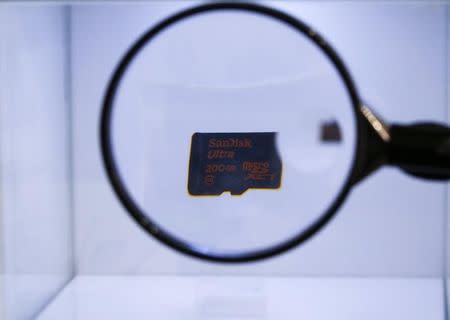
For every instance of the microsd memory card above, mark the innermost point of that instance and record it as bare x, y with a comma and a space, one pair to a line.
233, 162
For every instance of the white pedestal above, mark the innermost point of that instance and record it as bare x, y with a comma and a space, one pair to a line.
236, 298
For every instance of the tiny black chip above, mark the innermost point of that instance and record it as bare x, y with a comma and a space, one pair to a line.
233, 162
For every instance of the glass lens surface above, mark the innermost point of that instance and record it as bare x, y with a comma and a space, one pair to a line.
239, 73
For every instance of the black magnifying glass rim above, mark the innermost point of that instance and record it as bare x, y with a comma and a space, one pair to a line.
151, 226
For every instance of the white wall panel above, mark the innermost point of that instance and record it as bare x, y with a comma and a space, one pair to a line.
391, 224
35, 199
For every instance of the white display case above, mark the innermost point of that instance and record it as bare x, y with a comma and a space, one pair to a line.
69, 250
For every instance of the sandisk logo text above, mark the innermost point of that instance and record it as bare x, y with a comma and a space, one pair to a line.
230, 143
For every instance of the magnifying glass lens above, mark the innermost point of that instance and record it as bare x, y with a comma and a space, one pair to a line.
232, 131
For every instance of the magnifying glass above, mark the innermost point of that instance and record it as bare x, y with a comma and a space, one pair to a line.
233, 132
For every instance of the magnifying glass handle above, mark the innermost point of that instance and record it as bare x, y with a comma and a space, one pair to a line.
421, 149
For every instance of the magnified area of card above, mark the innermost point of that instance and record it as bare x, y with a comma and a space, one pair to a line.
233, 162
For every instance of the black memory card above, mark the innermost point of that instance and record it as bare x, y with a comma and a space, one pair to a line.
233, 162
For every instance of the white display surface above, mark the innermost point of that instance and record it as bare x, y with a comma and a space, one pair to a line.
233, 298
